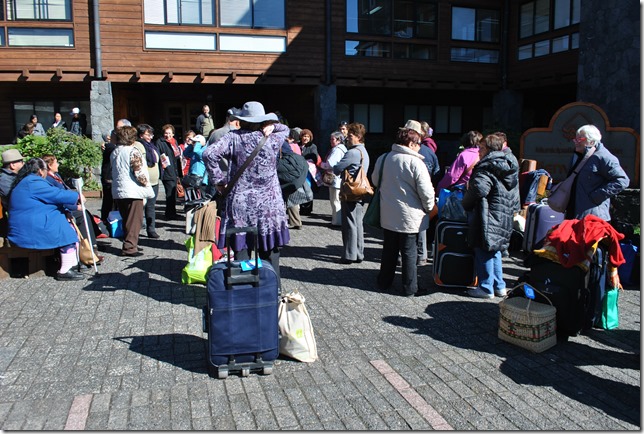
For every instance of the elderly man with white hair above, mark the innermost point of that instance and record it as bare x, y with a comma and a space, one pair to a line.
600, 178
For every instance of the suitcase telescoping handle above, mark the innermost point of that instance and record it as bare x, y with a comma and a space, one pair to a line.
235, 275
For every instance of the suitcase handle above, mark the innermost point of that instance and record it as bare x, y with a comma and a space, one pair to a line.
520, 285
235, 276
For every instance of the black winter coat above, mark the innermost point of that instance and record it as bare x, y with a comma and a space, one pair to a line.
170, 173
291, 171
490, 197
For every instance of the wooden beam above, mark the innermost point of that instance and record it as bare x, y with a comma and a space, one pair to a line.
59, 73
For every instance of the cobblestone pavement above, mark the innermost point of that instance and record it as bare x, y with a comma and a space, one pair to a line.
124, 350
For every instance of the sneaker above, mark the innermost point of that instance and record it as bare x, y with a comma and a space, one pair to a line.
500, 292
479, 293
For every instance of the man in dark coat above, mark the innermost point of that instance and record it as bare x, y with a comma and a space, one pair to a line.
489, 199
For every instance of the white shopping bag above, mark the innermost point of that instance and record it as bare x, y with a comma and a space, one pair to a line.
296, 331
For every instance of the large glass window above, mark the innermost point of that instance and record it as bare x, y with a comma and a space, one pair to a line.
479, 25
542, 16
399, 18
39, 10
370, 115
179, 12
566, 13
33, 37
448, 119
534, 18
367, 49
256, 14
475, 55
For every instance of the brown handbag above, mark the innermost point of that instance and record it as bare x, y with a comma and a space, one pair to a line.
355, 189
85, 253
181, 192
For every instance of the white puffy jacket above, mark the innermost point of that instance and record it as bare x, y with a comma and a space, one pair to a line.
406, 190
124, 183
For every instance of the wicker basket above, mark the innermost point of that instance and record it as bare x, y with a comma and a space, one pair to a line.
528, 324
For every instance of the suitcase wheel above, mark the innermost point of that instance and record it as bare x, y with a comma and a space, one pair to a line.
267, 370
245, 372
222, 373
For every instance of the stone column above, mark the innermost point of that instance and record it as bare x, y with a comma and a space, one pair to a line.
102, 109
609, 60
325, 102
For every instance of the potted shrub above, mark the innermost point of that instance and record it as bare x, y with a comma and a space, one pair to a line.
77, 155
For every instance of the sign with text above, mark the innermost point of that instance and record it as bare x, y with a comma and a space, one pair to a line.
552, 147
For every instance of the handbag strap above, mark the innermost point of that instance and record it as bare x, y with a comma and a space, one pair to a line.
583, 161
382, 166
250, 158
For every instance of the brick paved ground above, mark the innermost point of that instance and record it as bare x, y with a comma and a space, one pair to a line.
124, 350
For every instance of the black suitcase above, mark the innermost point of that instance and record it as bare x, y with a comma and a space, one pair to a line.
565, 289
241, 316
576, 293
453, 258
540, 218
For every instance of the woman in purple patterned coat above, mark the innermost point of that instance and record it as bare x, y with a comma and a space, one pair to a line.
256, 198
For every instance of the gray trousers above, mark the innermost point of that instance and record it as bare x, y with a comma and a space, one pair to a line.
352, 230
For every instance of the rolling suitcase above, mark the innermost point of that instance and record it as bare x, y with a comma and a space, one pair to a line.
565, 288
540, 218
241, 316
453, 258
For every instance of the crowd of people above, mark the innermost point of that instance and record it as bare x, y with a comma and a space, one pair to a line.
265, 174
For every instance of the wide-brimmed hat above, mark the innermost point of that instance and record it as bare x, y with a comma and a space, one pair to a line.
413, 125
234, 111
254, 112
11, 156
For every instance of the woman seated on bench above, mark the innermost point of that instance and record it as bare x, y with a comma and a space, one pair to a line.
55, 179
38, 220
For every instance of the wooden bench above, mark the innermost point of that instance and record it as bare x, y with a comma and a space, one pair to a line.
19, 262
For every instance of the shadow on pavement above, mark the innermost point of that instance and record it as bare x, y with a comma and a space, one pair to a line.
473, 325
184, 351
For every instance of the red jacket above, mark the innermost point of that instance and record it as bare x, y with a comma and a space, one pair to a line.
573, 238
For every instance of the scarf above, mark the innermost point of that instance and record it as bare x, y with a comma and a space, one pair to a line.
150, 153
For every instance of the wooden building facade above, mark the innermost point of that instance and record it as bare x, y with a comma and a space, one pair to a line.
459, 65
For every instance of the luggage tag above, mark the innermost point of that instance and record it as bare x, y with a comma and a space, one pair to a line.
249, 264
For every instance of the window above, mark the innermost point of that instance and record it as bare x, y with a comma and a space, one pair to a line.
367, 49
370, 115
479, 25
397, 19
179, 12
566, 13
255, 14
32, 37
541, 16
414, 19
535, 18
414, 51
421, 113
180, 41
45, 111
448, 120
39, 10
475, 55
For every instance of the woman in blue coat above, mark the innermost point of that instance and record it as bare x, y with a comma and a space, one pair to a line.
37, 218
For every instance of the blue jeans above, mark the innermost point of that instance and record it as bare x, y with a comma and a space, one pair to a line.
489, 270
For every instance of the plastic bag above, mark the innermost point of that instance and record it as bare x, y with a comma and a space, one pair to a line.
198, 266
453, 208
296, 331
